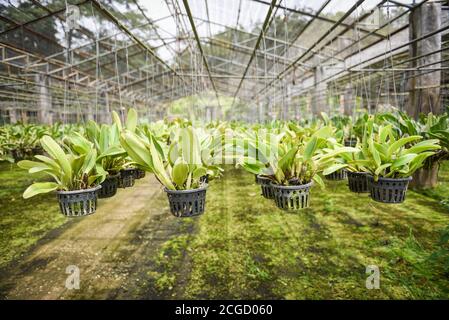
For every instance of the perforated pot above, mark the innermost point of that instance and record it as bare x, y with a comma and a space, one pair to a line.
350, 142
388, 190
337, 175
187, 203
109, 186
357, 181
139, 174
265, 186
291, 197
79, 202
126, 179
17, 154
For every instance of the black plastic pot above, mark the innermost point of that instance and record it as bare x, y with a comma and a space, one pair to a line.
350, 142
126, 179
139, 174
17, 154
337, 175
265, 186
187, 203
388, 190
109, 186
291, 197
78, 203
357, 182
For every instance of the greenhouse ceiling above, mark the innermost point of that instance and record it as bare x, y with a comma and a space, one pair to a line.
121, 53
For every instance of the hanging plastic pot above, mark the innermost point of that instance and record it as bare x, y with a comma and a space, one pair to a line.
291, 197
256, 179
265, 186
139, 174
78, 203
126, 179
109, 186
388, 190
337, 175
17, 154
351, 142
357, 182
187, 203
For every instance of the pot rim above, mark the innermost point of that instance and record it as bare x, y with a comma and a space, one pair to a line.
204, 187
293, 187
358, 172
370, 176
98, 187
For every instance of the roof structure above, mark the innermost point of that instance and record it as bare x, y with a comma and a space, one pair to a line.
92, 56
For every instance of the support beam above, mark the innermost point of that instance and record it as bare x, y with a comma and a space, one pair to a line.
198, 41
265, 26
319, 93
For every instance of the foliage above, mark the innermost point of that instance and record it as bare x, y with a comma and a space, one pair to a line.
385, 155
69, 171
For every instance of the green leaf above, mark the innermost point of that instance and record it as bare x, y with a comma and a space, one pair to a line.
180, 172
131, 120
310, 148
381, 168
89, 162
27, 164
333, 168
400, 143
199, 172
319, 181
55, 151
38, 188
403, 160
117, 121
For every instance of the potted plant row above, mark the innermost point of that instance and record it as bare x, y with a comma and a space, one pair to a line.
295, 165
391, 161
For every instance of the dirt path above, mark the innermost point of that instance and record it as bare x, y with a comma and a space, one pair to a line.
113, 249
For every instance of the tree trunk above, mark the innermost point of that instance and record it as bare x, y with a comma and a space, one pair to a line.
426, 178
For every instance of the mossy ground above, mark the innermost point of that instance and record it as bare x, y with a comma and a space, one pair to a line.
244, 247
23, 222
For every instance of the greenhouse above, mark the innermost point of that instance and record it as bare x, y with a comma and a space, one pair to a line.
211, 149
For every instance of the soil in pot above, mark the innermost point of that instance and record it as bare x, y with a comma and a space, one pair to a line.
109, 186
187, 203
126, 179
292, 197
265, 186
357, 182
337, 175
78, 203
388, 190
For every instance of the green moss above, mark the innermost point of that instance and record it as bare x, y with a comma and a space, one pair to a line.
23, 222
245, 247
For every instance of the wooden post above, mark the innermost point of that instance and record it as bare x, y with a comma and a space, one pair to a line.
424, 90
43, 115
